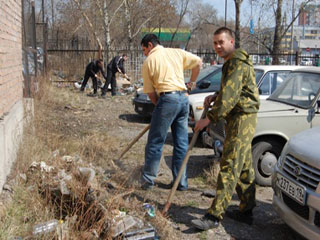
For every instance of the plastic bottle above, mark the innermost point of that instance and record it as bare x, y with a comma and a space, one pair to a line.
45, 227
150, 209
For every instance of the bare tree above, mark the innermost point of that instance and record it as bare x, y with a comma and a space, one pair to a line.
105, 14
134, 24
93, 30
203, 21
237, 22
282, 25
281, 30
182, 7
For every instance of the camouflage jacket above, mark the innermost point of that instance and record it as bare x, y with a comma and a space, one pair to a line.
238, 89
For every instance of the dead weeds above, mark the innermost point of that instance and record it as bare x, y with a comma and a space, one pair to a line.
64, 126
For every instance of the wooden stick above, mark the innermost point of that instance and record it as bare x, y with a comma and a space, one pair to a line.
183, 166
134, 141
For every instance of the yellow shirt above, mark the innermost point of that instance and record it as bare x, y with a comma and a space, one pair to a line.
162, 71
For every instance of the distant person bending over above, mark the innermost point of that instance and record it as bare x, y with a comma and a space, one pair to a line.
163, 81
114, 66
237, 103
91, 71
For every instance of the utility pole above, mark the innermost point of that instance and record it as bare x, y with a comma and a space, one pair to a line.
225, 12
291, 47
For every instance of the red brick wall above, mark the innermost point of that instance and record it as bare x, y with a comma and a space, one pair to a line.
11, 81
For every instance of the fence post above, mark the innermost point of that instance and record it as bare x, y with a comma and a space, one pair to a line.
34, 38
45, 47
297, 58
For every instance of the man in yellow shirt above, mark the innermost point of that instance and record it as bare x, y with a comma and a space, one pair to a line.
163, 77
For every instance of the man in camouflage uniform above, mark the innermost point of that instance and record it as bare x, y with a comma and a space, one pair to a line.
237, 103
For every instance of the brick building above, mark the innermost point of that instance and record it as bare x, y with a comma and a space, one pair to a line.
11, 84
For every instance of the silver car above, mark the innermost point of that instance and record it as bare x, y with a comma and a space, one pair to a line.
296, 183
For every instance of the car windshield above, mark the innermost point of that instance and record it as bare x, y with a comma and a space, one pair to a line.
299, 89
259, 74
203, 73
206, 71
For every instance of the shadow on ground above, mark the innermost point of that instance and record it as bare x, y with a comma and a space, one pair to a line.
266, 225
135, 118
196, 164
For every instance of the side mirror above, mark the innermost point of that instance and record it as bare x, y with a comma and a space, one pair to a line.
311, 114
204, 84
260, 91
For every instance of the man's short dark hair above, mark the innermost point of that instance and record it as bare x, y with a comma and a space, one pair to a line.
124, 55
224, 30
150, 38
100, 60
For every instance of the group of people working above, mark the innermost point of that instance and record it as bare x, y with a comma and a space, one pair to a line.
237, 102
93, 68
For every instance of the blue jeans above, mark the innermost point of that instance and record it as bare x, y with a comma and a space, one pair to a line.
171, 110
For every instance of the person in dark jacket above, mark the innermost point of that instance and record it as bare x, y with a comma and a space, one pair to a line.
114, 66
91, 71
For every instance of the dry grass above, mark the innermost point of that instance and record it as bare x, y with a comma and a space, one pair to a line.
57, 130
212, 173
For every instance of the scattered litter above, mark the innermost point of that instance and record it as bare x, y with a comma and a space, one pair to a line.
121, 225
43, 167
150, 209
55, 153
68, 159
77, 85
46, 227
23, 176
145, 233
141, 231
87, 174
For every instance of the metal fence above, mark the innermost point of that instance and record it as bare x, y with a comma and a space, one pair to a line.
34, 57
69, 56
72, 63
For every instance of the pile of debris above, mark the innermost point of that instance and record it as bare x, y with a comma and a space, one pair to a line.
80, 204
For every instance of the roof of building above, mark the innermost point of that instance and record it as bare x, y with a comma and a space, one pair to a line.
165, 34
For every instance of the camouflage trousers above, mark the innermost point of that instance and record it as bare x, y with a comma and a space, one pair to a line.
236, 170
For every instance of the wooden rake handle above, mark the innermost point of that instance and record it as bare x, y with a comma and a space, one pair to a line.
183, 166
134, 141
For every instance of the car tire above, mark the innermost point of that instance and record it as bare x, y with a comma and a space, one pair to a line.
264, 156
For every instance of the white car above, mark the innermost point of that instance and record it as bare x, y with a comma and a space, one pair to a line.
292, 108
295, 182
268, 78
306, 62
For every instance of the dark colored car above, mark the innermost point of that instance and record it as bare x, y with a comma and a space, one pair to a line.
143, 105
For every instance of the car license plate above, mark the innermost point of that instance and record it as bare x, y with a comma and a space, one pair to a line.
293, 190
140, 109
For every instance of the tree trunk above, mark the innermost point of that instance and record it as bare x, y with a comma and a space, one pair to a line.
127, 17
237, 27
277, 34
107, 38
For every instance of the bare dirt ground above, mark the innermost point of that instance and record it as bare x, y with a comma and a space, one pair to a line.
116, 118
110, 124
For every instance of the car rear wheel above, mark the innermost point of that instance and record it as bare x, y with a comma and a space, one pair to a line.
265, 155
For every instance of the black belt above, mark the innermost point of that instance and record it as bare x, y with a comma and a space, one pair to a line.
173, 92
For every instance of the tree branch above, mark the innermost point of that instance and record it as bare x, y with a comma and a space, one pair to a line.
89, 23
